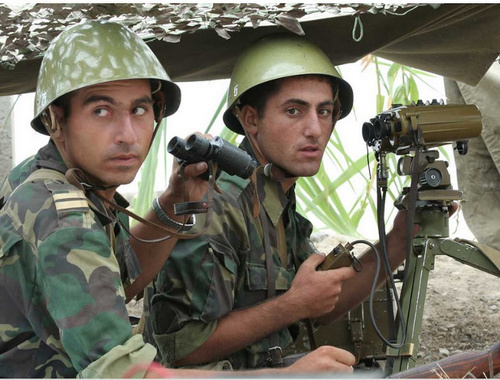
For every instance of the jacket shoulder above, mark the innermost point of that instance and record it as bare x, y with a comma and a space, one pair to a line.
42, 204
232, 185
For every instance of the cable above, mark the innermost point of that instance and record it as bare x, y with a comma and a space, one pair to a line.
372, 293
381, 195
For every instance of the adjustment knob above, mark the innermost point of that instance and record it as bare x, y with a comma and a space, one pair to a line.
431, 177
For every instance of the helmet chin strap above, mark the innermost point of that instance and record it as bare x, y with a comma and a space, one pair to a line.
50, 123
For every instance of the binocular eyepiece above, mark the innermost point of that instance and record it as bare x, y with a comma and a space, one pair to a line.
229, 158
422, 125
377, 130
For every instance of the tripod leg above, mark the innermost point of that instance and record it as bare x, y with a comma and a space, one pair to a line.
413, 295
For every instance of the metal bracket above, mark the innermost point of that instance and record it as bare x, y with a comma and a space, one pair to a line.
406, 350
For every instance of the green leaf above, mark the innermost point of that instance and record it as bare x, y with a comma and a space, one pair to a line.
145, 194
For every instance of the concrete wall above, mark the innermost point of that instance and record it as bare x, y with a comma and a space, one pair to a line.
6, 158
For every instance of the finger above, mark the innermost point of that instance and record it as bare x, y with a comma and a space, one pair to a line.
194, 170
340, 367
340, 360
344, 273
204, 135
314, 260
345, 357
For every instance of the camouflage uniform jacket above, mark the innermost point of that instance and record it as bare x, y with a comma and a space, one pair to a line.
61, 279
207, 277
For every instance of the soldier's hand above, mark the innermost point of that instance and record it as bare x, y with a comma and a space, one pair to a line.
187, 180
324, 359
184, 186
315, 293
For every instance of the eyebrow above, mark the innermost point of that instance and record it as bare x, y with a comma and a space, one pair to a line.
108, 99
99, 98
304, 103
144, 99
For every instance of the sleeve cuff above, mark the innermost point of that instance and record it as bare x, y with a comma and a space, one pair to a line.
119, 359
178, 345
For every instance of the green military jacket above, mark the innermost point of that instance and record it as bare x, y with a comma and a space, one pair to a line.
224, 269
62, 298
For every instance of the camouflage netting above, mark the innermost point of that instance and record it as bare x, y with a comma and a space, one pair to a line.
198, 42
27, 29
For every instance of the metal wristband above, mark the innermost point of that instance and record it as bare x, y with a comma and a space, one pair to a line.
166, 220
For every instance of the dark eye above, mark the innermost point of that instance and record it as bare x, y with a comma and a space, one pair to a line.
101, 112
325, 112
139, 111
292, 111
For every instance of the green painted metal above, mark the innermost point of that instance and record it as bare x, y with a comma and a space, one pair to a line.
432, 240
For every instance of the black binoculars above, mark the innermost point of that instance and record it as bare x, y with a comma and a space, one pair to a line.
229, 158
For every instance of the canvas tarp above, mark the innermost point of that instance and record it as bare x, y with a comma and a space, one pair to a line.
458, 41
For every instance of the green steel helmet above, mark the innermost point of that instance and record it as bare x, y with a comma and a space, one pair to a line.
96, 52
279, 56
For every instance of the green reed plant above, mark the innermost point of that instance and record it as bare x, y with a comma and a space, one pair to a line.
148, 174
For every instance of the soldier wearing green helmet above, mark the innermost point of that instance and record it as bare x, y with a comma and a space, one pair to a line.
232, 297
66, 262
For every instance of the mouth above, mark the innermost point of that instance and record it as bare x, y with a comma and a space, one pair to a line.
125, 159
310, 151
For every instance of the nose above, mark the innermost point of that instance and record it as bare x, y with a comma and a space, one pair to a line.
314, 125
126, 133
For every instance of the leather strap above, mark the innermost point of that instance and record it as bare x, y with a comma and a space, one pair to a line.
307, 321
77, 178
275, 353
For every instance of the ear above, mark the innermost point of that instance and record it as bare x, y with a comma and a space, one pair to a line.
248, 117
56, 119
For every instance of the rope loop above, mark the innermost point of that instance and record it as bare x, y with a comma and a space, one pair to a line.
357, 24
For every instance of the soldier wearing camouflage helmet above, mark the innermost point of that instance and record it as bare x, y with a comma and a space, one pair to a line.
232, 297
66, 262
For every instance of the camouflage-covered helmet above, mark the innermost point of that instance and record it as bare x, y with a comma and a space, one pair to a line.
279, 56
96, 52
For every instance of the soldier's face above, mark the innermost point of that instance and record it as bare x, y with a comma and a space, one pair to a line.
109, 130
296, 125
